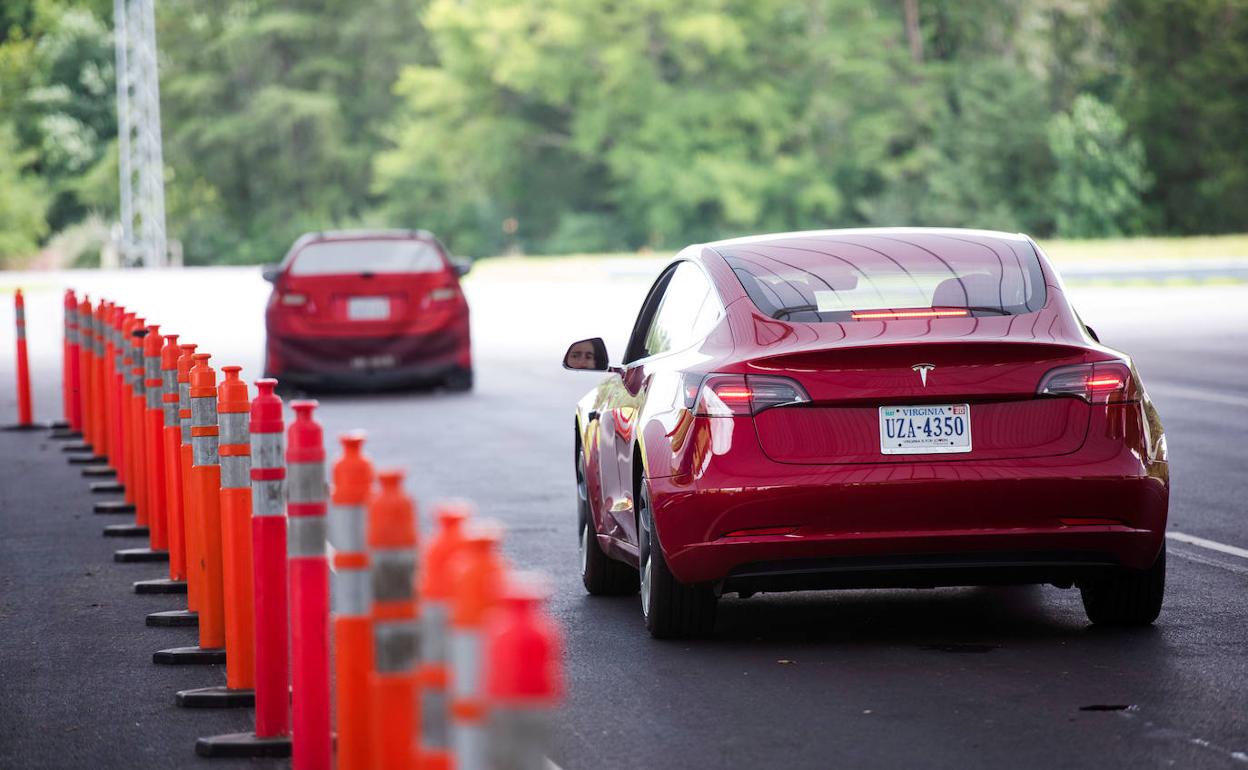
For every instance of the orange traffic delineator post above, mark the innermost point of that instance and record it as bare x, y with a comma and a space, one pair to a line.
308, 567
82, 332
70, 372
392, 542
192, 531
134, 400
478, 584
153, 454
170, 445
234, 450
84, 370
437, 584
171, 493
271, 738
204, 497
25, 419
523, 675
100, 387
352, 621
112, 395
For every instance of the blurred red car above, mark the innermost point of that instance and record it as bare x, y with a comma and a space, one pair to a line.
368, 309
866, 408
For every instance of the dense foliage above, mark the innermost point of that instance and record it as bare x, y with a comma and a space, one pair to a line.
589, 125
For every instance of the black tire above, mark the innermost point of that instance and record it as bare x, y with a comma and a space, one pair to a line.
602, 575
1127, 597
672, 610
458, 381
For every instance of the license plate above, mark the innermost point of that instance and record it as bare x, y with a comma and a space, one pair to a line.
368, 308
929, 429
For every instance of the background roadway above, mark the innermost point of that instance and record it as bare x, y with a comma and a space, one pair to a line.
931, 678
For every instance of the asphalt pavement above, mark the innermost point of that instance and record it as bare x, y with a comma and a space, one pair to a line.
939, 678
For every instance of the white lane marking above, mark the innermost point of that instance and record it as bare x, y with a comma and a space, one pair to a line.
1199, 394
1212, 545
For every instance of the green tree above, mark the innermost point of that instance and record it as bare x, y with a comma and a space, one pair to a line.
1101, 175
24, 201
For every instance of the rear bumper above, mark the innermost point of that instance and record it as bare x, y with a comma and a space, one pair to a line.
966, 523
368, 362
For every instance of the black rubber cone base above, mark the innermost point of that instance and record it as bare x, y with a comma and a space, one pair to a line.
65, 435
189, 656
127, 555
81, 446
106, 487
242, 745
159, 586
59, 425
113, 506
84, 458
173, 618
125, 530
25, 428
216, 698
98, 472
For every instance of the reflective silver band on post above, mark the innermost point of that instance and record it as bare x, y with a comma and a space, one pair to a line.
394, 645
233, 428
305, 536
267, 450
305, 483
268, 498
21, 323
465, 649
235, 472
347, 528
169, 385
353, 594
151, 371
392, 571
435, 726
204, 415
433, 616
184, 405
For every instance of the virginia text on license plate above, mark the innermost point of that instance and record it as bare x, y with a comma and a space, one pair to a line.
928, 429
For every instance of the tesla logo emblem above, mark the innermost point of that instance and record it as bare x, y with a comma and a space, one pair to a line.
923, 369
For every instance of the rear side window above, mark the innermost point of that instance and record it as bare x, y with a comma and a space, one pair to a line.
842, 281
687, 312
366, 256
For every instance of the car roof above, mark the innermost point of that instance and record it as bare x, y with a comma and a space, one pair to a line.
362, 234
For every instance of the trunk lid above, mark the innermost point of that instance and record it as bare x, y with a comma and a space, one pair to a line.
848, 384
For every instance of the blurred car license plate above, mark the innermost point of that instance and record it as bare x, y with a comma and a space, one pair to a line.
928, 429
368, 308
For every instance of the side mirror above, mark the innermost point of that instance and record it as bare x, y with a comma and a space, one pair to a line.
461, 266
587, 355
271, 272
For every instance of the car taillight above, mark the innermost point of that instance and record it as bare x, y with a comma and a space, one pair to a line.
294, 299
443, 294
1101, 383
742, 395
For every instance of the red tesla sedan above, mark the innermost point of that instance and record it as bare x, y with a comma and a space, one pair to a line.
368, 309
866, 408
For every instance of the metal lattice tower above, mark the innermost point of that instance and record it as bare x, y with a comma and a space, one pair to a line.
141, 159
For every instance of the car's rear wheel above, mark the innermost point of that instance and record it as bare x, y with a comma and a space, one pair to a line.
672, 609
1127, 597
602, 575
459, 380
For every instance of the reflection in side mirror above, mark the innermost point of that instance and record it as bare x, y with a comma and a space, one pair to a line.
461, 266
590, 355
271, 272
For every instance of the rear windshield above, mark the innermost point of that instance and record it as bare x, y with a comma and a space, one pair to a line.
850, 281
379, 256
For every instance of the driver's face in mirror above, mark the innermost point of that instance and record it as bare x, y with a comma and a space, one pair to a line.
582, 356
